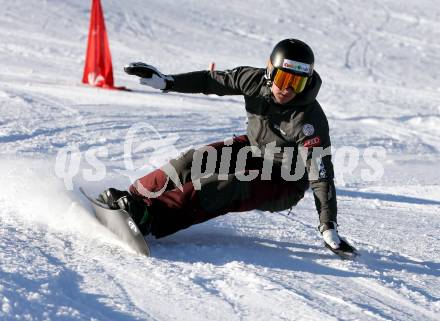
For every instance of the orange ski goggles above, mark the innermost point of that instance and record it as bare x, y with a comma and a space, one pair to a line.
283, 80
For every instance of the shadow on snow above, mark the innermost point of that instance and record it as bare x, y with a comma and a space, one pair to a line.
387, 197
219, 249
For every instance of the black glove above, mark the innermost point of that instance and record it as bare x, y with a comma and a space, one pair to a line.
329, 232
150, 76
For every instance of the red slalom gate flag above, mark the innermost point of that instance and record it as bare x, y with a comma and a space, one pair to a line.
98, 70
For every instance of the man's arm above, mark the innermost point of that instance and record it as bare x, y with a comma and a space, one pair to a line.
314, 136
238, 81
324, 192
206, 82
320, 173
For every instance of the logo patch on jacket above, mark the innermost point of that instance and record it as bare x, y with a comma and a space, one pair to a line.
308, 129
313, 142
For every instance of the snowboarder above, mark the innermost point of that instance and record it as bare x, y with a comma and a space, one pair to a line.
284, 118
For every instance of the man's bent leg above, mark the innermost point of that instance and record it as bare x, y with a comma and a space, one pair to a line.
177, 209
169, 190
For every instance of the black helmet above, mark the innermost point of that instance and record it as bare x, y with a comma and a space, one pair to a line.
293, 50
292, 56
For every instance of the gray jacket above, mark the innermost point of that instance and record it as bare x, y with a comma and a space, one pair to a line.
299, 124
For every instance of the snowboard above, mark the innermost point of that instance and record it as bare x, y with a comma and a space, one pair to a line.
120, 223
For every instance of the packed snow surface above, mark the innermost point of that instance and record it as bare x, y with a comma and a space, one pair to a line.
380, 64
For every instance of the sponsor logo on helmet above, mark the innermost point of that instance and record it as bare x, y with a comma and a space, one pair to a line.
308, 129
313, 142
297, 66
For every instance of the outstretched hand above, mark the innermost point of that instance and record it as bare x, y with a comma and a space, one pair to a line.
335, 243
150, 76
141, 69
330, 234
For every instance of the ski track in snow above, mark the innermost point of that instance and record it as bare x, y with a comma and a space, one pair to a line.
379, 62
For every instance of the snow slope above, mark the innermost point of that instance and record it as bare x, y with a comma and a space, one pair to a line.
379, 62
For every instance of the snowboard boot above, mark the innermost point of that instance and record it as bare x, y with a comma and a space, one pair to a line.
137, 209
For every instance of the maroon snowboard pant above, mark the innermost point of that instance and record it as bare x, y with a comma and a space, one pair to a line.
182, 202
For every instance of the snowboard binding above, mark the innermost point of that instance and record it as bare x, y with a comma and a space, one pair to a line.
138, 210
